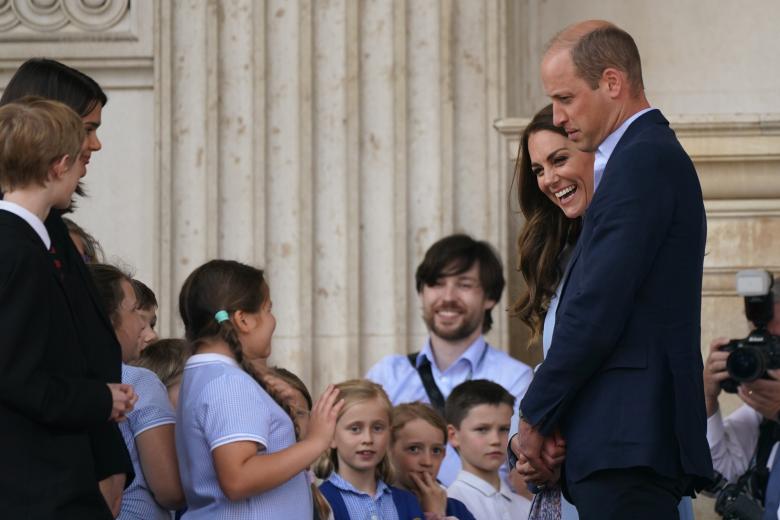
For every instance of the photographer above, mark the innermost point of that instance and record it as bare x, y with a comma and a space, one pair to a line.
747, 440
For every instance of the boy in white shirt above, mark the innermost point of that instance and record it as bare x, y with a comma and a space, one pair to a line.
478, 415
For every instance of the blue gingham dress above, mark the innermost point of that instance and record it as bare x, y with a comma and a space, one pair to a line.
153, 409
219, 404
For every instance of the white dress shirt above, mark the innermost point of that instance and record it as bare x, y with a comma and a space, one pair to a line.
485, 502
733, 441
29, 217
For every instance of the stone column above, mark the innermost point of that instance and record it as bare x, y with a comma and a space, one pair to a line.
331, 143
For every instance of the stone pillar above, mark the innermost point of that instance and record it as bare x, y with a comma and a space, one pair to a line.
332, 143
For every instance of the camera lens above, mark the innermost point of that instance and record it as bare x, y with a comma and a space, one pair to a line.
746, 364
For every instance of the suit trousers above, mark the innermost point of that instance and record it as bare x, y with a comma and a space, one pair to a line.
627, 493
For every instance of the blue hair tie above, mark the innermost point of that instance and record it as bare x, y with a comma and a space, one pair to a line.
221, 316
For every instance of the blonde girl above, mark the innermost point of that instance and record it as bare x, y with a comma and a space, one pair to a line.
357, 467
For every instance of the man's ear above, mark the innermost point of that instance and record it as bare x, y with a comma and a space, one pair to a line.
489, 304
452, 435
60, 166
614, 81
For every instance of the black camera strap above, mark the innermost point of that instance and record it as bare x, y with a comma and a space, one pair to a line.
768, 435
426, 376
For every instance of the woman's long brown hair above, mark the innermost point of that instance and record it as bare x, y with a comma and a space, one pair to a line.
546, 233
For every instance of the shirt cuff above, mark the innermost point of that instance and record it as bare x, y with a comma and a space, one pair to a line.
715, 429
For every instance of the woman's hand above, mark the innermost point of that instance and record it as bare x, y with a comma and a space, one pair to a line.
532, 476
554, 450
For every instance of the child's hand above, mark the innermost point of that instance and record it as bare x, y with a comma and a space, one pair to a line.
124, 398
283, 390
433, 498
322, 419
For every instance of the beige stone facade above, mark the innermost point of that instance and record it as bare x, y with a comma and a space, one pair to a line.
332, 141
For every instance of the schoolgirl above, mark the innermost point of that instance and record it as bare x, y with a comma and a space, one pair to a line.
357, 467
237, 449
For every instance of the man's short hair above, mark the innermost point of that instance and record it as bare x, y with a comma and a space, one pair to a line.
454, 255
473, 393
605, 46
34, 133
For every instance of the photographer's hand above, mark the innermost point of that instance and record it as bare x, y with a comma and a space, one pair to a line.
714, 374
763, 395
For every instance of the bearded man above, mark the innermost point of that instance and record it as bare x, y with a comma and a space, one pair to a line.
459, 282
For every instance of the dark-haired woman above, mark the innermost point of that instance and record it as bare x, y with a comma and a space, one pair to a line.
555, 186
102, 354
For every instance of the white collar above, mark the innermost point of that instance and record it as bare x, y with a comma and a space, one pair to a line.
484, 487
209, 358
29, 217
607, 146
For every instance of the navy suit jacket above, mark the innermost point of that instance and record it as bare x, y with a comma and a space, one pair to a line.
623, 376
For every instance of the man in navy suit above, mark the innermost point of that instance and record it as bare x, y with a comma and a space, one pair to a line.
622, 382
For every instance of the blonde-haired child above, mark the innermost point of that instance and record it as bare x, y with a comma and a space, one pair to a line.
357, 467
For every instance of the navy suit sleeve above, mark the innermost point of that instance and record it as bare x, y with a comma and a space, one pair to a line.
630, 218
26, 384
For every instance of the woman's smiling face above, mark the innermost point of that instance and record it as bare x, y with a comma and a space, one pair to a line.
563, 173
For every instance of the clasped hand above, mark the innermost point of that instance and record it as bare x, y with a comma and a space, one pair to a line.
539, 458
123, 400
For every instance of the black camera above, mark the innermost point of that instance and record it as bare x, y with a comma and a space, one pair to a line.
751, 357
736, 501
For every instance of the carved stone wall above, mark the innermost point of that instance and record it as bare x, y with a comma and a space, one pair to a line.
113, 41
329, 142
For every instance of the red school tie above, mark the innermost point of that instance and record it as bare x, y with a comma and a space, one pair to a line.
55, 260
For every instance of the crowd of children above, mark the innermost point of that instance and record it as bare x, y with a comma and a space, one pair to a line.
211, 430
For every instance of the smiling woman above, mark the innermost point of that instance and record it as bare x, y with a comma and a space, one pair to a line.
563, 173
555, 186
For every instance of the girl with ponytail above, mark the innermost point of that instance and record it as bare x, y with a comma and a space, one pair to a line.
237, 447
